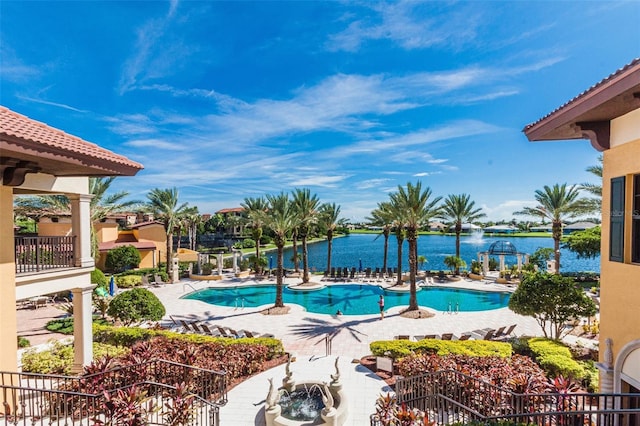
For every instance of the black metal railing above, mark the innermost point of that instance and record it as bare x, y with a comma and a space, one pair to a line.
37, 254
153, 389
453, 397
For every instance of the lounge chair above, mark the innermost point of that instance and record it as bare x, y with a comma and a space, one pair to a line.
465, 336
426, 336
144, 280
509, 331
352, 274
367, 274
158, 279
484, 334
252, 334
205, 328
237, 334
441, 276
224, 333
499, 332
345, 273
447, 336
332, 274
402, 337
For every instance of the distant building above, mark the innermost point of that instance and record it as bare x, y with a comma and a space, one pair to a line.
234, 227
578, 226
466, 227
500, 229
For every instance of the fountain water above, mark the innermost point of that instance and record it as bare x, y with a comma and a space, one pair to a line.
308, 401
476, 238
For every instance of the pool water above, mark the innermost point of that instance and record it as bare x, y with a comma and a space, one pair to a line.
353, 299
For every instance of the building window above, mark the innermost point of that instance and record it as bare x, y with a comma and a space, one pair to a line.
635, 221
616, 242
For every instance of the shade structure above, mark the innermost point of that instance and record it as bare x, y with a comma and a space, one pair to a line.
112, 286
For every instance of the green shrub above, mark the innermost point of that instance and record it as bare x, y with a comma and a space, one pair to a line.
65, 325
591, 377
136, 305
248, 243
128, 281
59, 359
555, 358
128, 336
400, 348
98, 278
207, 268
122, 258
23, 342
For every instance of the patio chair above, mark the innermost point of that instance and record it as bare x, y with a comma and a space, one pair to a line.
252, 334
144, 280
499, 332
332, 275
237, 334
447, 336
158, 279
345, 273
465, 336
484, 334
441, 276
402, 337
367, 274
224, 333
352, 274
426, 336
509, 331
205, 328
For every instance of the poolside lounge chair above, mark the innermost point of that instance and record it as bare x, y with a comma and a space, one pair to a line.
237, 334
484, 334
158, 279
441, 276
505, 333
426, 336
352, 274
367, 274
253, 334
465, 336
225, 333
205, 328
402, 337
332, 274
345, 273
144, 280
499, 332
447, 336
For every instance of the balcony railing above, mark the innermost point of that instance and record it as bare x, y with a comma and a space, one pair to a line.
452, 397
38, 254
150, 390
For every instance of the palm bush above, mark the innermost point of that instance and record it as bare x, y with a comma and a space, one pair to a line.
136, 305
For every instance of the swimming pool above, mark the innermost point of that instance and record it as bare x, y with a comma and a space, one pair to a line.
353, 299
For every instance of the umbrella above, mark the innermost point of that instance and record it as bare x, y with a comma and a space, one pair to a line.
270, 262
112, 286
360, 269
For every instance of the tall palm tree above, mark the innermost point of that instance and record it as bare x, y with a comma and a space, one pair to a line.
164, 205
329, 219
306, 208
558, 203
382, 217
594, 188
458, 209
280, 219
415, 210
255, 209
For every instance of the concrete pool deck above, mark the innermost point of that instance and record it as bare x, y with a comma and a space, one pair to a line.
305, 333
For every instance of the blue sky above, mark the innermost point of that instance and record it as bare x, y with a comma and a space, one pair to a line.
227, 100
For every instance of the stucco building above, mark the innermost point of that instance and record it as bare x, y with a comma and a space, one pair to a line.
608, 114
38, 159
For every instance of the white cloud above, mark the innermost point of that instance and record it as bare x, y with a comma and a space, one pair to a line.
505, 210
55, 104
157, 144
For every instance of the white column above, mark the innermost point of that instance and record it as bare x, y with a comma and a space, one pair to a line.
235, 262
501, 263
219, 259
519, 257
485, 263
81, 229
82, 331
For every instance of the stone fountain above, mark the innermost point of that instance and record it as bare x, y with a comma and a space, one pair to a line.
298, 403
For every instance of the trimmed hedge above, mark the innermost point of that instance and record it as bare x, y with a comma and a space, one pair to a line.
555, 358
59, 360
128, 336
400, 348
128, 281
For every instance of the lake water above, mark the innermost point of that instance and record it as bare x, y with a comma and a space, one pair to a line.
348, 251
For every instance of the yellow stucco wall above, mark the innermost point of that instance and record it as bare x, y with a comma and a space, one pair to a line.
106, 231
620, 289
186, 255
154, 233
53, 229
8, 321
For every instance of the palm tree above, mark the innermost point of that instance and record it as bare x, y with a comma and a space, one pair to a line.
330, 221
280, 219
382, 217
164, 204
558, 203
255, 209
459, 209
306, 206
594, 188
415, 210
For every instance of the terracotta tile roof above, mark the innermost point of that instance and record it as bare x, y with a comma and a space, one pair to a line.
142, 224
231, 210
140, 245
18, 126
633, 64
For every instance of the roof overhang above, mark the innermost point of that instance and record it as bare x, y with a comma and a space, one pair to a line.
29, 146
588, 115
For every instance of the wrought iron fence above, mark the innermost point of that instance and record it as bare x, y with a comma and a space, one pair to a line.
157, 390
453, 397
36, 254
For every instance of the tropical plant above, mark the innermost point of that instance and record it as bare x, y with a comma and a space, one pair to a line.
414, 209
557, 204
280, 220
458, 209
422, 260
306, 208
454, 263
552, 300
585, 244
329, 220
255, 209
135, 305
122, 258
164, 204
382, 217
